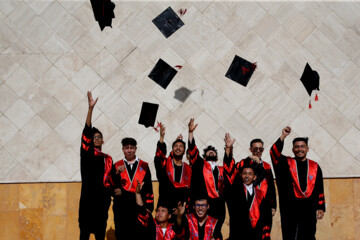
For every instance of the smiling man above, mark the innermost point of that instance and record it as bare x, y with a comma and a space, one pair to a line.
130, 170
300, 187
173, 174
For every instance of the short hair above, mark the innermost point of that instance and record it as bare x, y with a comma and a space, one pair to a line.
209, 148
179, 140
200, 197
95, 130
255, 141
247, 163
128, 141
298, 139
164, 204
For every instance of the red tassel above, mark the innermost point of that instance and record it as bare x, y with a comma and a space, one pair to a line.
178, 66
157, 127
310, 107
316, 98
181, 12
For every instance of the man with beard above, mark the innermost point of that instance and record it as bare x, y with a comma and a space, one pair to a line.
198, 225
207, 178
157, 228
173, 174
301, 191
266, 185
95, 168
130, 170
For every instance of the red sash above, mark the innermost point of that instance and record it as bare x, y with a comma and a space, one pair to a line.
254, 211
126, 183
169, 233
193, 227
311, 178
185, 178
210, 181
107, 180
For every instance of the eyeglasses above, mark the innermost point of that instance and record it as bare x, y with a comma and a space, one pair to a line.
97, 137
201, 205
255, 149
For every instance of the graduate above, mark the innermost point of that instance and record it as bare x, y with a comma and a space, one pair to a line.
129, 170
250, 214
96, 186
198, 225
207, 178
301, 191
173, 174
157, 228
266, 185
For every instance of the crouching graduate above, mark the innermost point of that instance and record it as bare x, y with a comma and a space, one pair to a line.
198, 225
158, 228
248, 207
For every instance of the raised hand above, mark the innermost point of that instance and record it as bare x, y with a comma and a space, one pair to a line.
181, 208
229, 142
191, 125
285, 132
162, 132
255, 159
180, 137
91, 101
139, 186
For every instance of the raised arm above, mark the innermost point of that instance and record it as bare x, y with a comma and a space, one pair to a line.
160, 155
192, 127
277, 147
229, 162
91, 103
193, 151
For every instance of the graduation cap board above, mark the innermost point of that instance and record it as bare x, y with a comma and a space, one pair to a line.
311, 81
240, 70
162, 73
168, 22
148, 114
103, 12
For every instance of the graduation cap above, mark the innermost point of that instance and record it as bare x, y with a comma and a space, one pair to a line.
148, 114
311, 81
182, 94
162, 73
103, 12
168, 22
240, 70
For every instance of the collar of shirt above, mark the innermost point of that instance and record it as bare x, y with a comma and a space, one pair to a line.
249, 188
212, 164
131, 164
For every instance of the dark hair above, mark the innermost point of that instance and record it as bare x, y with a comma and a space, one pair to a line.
179, 140
95, 130
128, 141
255, 141
209, 148
247, 163
200, 197
298, 139
164, 204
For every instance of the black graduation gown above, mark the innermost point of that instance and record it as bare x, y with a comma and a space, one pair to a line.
95, 198
298, 215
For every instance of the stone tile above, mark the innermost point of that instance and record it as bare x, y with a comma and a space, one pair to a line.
119, 79
7, 162
31, 196
7, 7
53, 174
252, 44
30, 221
38, 31
69, 129
87, 47
304, 125
8, 66
37, 97
9, 97
200, 28
207, 128
332, 27
104, 63
317, 43
217, 13
169, 94
153, 45
334, 59
73, 191
108, 128
71, 31
348, 75
215, 77
233, 22
238, 127
69, 64
346, 11
52, 146
55, 15
137, 62
9, 197
115, 107
284, 12
270, 60
335, 91
36, 65
300, 27
53, 113
55, 45
19, 113
120, 47
36, 163
186, 110
315, 12
84, 14
322, 141
350, 107
69, 96
332, 159
52, 80
113, 145
349, 43
36, 129
185, 45
135, 30
201, 61
337, 125
203, 95
72, 224
267, 27
349, 143
54, 227
250, 12
341, 214
86, 79
9, 225
20, 81
218, 45
21, 15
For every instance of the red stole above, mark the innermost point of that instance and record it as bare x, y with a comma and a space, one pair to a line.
126, 183
107, 180
311, 178
210, 224
169, 233
185, 178
210, 181
254, 211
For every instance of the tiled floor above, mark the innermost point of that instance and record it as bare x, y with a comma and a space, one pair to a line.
52, 52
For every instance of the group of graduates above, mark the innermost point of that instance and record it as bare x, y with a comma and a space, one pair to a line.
192, 196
